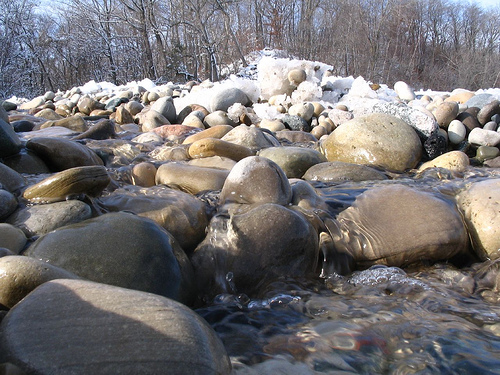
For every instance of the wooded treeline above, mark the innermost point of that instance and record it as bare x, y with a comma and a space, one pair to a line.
438, 44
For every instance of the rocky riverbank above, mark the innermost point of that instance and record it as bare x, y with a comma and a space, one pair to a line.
128, 212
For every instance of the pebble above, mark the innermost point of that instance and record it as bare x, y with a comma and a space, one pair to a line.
481, 137
21, 275
74, 123
36, 220
445, 113
226, 97
480, 100
456, 132
250, 137
8, 203
119, 331
490, 125
217, 118
303, 110
151, 120
144, 174
297, 76
294, 122
33, 103
469, 120
460, 96
339, 116
70, 182
208, 147
28, 162
379, 139
189, 178
488, 111
104, 129
453, 160
12, 238
294, 161
23, 126
338, 172
404, 91
256, 179
60, 154
480, 204
217, 131
165, 106
484, 153
11, 180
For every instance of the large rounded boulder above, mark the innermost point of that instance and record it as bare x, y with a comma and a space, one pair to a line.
377, 139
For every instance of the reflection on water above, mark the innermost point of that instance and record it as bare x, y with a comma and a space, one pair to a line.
436, 319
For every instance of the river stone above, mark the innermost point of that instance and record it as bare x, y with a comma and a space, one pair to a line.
295, 123
48, 114
272, 125
339, 172
213, 162
10, 144
445, 113
297, 76
303, 110
490, 125
40, 219
256, 179
104, 129
194, 121
480, 204
456, 132
9, 106
293, 136
165, 106
377, 139
3, 111
23, 126
33, 103
251, 137
189, 178
71, 182
119, 249
12, 238
208, 147
114, 103
469, 120
8, 203
404, 91
28, 162
480, 100
217, 131
60, 154
144, 174
152, 119
52, 132
453, 160
397, 226
217, 118
481, 137
339, 116
422, 123
74, 123
133, 107
249, 249
492, 163
82, 327
294, 161
460, 96
11, 180
21, 275
488, 111
484, 153
181, 214
225, 98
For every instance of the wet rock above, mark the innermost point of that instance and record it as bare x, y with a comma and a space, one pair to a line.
175, 133
339, 172
10, 144
397, 226
151, 120
480, 204
435, 145
217, 131
118, 249
74, 123
26, 161
87, 104
453, 160
225, 98
488, 111
377, 139
181, 214
208, 147
40, 219
456, 132
23, 126
11, 180
244, 251
12, 238
8, 203
294, 161
104, 129
60, 154
21, 275
484, 153
70, 182
189, 178
296, 136
251, 137
9, 106
165, 106
492, 163
48, 114
256, 180
145, 333
296, 123
481, 137
217, 118
469, 120
144, 174
445, 113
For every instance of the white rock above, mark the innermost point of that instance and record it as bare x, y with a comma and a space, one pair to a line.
456, 132
481, 137
304, 110
404, 91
